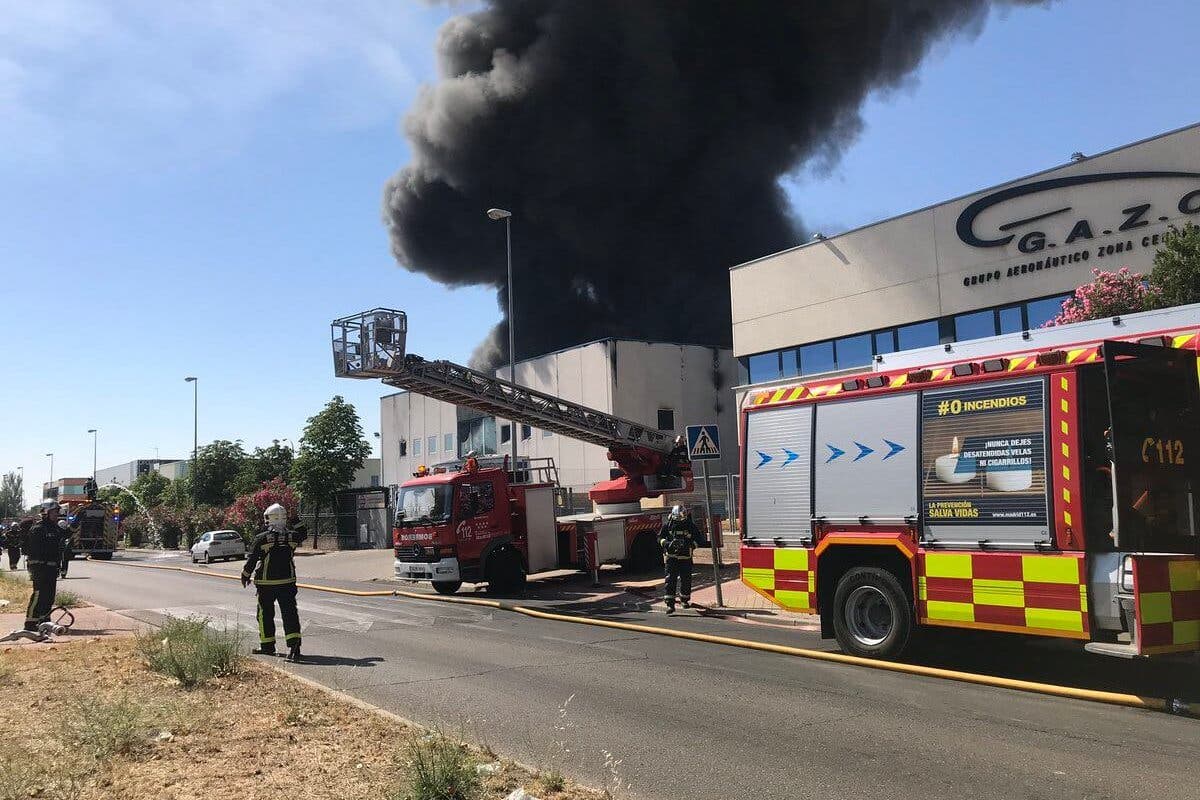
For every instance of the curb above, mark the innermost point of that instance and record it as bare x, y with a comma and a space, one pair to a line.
1173, 706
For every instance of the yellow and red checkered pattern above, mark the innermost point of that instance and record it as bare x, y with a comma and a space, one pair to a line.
784, 575
1034, 593
1167, 603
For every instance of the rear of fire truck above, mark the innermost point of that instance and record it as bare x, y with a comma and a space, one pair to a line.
1049, 493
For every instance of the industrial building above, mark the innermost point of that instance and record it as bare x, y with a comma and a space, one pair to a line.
125, 474
1000, 261
666, 386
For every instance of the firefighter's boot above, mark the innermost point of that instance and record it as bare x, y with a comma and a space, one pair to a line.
294, 654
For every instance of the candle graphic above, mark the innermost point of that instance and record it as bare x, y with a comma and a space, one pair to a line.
952, 468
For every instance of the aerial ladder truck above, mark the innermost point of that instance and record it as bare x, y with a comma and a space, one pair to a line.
497, 525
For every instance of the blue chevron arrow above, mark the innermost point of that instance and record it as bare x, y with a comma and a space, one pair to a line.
834, 452
863, 451
791, 456
896, 448
765, 458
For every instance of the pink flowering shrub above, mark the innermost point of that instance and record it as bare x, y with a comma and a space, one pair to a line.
247, 511
1109, 294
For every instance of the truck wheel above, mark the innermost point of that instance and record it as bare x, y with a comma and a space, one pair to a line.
446, 587
645, 554
872, 616
102, 556
505, 574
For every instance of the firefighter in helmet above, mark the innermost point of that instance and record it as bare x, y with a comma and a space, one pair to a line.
271, 564
678, 538
13, 538
43, 542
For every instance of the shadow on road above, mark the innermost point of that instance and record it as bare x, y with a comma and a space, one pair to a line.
340, 661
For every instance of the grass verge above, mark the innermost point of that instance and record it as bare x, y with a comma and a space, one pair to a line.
191, 651
92, 721
16, 588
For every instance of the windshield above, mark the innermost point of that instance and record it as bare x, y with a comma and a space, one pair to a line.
424, 505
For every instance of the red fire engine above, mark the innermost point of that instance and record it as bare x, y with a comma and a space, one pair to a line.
1050, 492
497, 524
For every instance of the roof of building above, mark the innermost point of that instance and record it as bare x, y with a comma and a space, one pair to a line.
960, 197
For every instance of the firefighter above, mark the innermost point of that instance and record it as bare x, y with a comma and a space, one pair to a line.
271, 564
43, 542
678, 538
12, 541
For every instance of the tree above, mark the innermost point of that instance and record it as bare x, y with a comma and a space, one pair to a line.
213, 472
150, 488
1109, 294
1176, 272
179, 494
332, 449
263, 466
12, 495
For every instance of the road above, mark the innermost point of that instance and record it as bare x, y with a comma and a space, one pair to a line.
692, 720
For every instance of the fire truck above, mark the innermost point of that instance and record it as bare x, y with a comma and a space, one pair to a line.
497, 524
1048, 491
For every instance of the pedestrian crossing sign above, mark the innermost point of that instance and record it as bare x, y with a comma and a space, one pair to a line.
704, 442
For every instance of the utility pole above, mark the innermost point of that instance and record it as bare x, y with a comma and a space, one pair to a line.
95, 434
195, 382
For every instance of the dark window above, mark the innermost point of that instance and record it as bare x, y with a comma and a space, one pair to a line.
666, 419
817, 358
403, 447
526, 432
477, 498
1042, 311
922, 334
1011, 320
505, 433
765, 367
976, 325
885, 342
854, 351
791, 363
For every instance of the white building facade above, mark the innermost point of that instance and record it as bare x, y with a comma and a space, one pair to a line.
662, 385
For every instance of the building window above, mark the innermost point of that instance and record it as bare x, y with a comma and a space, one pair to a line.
853, 351
403, 447
922, 334
666, 419
505, 433
374, 481
448, 442
976, 325
1011, 319
1042, 311
431, 445
416, 447
817, 358
791, 363
526, 432
547, 434
765, 367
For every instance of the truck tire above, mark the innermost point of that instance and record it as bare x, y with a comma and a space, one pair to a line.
645, 554
102, 556
505, 573
872, 616
446, 587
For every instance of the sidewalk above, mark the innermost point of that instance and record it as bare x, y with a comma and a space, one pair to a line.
91, 622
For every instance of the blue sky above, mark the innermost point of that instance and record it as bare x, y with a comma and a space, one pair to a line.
194, 189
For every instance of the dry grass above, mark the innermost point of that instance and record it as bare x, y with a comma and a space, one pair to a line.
89, 720
16, 588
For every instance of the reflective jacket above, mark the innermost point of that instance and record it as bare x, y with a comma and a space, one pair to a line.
43, 543
271, 558
678, 538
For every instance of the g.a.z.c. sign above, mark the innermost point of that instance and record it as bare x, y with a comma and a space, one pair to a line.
1030, 239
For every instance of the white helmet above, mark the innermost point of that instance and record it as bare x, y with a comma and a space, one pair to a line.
276, 517
676, 512
48, 504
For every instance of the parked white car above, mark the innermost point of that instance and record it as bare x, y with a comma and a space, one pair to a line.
214, 545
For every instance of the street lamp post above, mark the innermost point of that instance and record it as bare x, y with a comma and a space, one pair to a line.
195, 382
95, 434
51, 457
501, 214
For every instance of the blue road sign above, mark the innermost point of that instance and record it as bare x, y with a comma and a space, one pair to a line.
704, 442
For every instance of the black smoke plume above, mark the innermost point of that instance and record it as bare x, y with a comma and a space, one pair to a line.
639, 145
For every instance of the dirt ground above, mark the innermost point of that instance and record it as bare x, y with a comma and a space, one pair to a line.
88, 720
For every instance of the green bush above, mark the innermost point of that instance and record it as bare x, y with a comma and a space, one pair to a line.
102, 729
440, 769
191, 651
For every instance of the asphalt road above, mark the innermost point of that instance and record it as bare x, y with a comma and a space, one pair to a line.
690, 720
